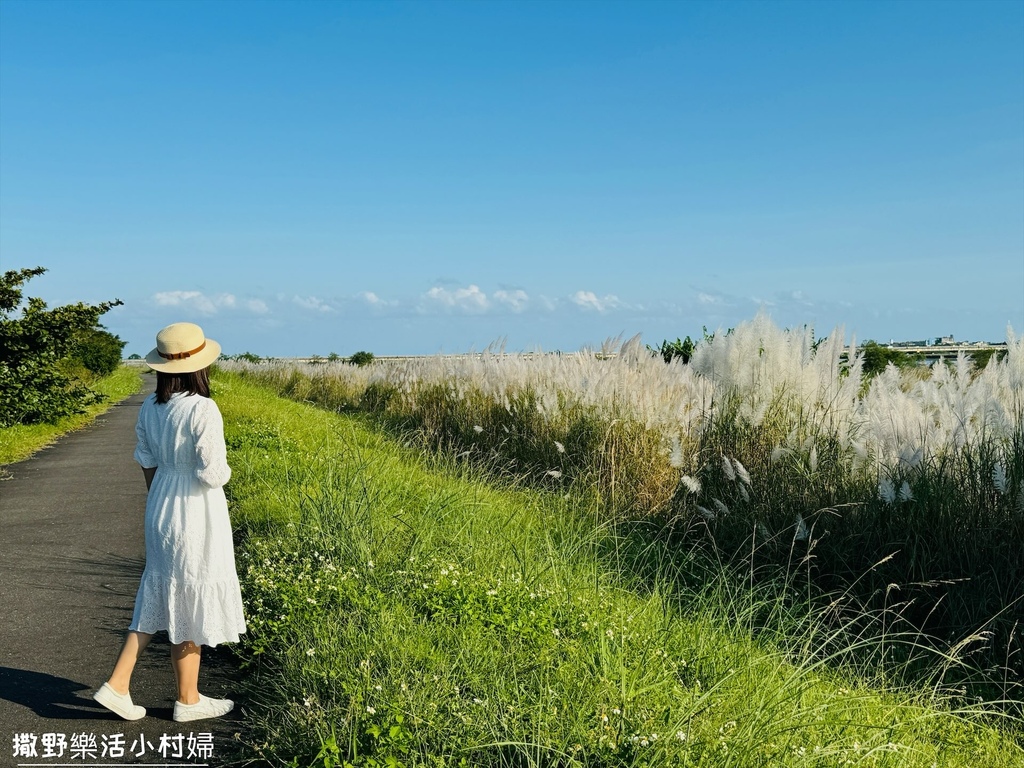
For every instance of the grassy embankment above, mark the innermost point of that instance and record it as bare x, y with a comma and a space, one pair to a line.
21, 441
904, 490
403, 611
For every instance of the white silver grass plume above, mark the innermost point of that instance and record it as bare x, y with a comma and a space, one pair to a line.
905, 493
692, 484
675, 456
999, 477
727, 470
801, 533
886, 491
898, 422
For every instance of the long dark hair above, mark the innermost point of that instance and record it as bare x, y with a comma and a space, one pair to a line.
197, 383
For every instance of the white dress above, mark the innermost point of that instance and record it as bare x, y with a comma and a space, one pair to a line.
190, 586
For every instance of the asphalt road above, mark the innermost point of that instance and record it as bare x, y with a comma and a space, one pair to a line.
72, 550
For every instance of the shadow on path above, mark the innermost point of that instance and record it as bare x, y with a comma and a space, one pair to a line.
48, 696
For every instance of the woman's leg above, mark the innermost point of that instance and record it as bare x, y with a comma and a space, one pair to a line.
185, 660
191, 705
121, 678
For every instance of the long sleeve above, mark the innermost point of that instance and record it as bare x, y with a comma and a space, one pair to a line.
211, 454
143, 455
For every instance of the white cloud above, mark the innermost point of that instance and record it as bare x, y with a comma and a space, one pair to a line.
515, 300
192, 299
589, 300
313, 304
197, 301
707, 298
470, 299
374, 300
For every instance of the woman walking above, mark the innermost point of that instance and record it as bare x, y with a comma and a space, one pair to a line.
189, 587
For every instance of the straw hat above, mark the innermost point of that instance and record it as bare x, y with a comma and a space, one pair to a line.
182, 348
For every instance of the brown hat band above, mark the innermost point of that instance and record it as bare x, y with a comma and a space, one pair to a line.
180, 355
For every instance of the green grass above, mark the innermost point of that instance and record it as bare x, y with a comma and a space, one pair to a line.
404, 611
947, 532
21, 441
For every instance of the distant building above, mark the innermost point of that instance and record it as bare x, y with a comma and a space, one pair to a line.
945, 340
920, 343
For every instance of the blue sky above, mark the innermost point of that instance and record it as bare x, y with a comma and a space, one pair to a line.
304, 178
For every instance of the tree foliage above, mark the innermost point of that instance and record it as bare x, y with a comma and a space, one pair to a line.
671, 350
877, 357
97, 350
361, 358
40, 348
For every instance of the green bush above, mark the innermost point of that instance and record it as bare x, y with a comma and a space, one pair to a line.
877, 357
98, 350
245, 357
37, 353
361, 358
670, 350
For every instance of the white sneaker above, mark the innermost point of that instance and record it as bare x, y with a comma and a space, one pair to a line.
119, 703
202, 709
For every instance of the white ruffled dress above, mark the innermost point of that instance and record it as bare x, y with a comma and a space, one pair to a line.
190, 585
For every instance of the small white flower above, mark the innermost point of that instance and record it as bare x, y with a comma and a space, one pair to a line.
477, 428
310, 652
371, 711
554, 473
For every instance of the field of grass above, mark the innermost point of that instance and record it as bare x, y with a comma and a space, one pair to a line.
406, 611
20, 441
902, 489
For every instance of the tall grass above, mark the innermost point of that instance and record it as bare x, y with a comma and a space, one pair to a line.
768, 441
404, 612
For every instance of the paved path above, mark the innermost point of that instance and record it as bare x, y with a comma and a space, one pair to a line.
72, 550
